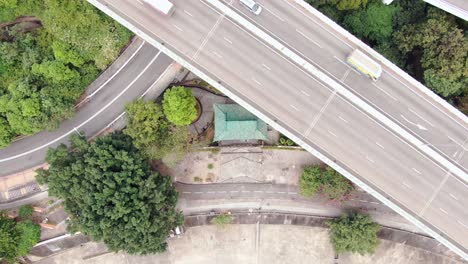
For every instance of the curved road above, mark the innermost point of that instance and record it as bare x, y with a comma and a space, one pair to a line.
132, 80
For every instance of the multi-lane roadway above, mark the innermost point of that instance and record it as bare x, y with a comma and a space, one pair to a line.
287, 94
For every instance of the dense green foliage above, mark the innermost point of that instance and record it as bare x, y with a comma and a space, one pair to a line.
153, 133
9, 238
375, 22
25, 211
428, 43
111, 193
17, 239
43, 71
355, 233
180, 106
30, 233
316, 179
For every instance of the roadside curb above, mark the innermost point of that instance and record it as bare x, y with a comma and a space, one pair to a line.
391, 234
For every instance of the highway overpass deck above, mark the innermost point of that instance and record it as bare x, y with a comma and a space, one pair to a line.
285, 94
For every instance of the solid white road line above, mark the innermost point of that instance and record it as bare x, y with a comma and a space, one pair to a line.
274, 14
342, 119
406, 185
87, 120
453, 196
266, 67
418, 115
178, 28
113, 75
331, 133
385, 92
380, 145
295, 108
308, 38
257, 82
304, 93
415, 170
188, 13
228, 40
443, 211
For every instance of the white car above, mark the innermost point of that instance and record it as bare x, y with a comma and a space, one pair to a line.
253, 6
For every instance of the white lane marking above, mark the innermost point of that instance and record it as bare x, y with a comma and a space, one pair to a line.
345, 75
266, 67
415, 170
217, 54
295, 108
443, 211
331, 133
90, 118
303, 92
460, 222
139, 1
406, 185
453, 196
455, 154
186, 192
113, 75
258, 191
234, 191
369, 159
273, 13
228, 40
305, 36
342, 119
322, 110
458, 143
293, 193
178, 28
188, 13
210, 192
414, 124
281, 192
208, 36
380, 145
385, 92
320, 24
255, 80
425, 99
374, 202
346, 64
418, 115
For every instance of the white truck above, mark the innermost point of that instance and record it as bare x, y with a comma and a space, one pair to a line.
163, 6
365, 64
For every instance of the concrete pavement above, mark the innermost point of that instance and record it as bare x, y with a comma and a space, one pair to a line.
132, 80
331, 127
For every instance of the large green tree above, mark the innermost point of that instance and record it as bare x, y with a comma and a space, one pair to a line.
355, 233
374, 22
153, 133
44, 71
111, 193
180, 106
316, 179
444, 49
17, 238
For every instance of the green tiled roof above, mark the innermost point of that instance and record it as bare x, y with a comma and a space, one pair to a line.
232, 122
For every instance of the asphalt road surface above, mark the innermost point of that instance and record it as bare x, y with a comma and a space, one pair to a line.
105, 106
315, 112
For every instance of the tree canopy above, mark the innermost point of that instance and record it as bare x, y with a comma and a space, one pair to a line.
180, 106
111, 193
152, 133
316, 179
444, 49
17, 238
355, 233
43, 71
375, 22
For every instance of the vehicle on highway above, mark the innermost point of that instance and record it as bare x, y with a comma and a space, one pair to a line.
365, 64
253, 6
163, 6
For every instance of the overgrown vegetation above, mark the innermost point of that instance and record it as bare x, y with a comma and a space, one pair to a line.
222, 220
153, 133
428, 43
17, 238
25, 211
45, 69
111, 194
316, 179
355, 233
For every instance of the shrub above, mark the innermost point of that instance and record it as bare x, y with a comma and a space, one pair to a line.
355, 233
222, 220
315, 179
180, 106
25, 211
